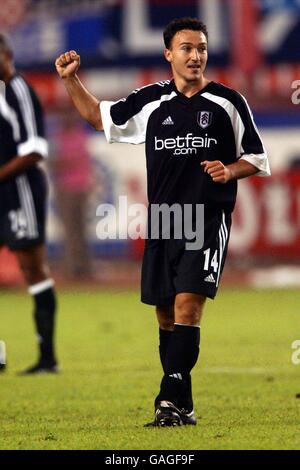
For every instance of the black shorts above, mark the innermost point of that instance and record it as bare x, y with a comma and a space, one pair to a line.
23, 210
169, 269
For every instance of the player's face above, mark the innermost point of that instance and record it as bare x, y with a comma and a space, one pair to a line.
188, 55
3, 64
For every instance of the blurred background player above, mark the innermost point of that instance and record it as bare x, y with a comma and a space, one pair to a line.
181, 114
23, 194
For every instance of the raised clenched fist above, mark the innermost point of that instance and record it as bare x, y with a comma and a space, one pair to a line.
67, 64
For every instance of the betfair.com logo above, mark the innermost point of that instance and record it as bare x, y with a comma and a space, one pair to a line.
187, 145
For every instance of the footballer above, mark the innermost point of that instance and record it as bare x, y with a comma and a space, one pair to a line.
23, 193
200, 138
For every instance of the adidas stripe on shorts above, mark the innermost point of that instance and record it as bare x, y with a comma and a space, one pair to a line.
23, 210
169, 269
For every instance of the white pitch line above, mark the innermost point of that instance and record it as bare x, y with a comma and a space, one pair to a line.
2, 353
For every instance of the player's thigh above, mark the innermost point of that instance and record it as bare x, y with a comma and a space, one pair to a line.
24, 221
157, 287
199, 271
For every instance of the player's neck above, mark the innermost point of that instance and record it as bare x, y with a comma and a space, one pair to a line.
190, 88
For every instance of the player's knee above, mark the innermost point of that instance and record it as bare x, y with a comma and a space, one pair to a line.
189, 310
165, 317
166, 323
33, 274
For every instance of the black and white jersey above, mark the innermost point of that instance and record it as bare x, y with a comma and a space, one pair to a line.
180, 132
21, 122
22, 133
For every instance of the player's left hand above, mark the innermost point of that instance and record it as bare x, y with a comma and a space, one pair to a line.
218, 172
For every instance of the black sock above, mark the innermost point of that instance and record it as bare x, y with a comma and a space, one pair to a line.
164, 338
44, 316
182, 354
186, 400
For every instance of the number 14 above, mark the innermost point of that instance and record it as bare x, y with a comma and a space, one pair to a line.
214, 261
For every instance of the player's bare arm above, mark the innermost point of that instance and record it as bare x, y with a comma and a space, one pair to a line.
18, 165
67, 66
222, 174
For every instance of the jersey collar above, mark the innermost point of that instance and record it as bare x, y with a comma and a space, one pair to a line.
190, 100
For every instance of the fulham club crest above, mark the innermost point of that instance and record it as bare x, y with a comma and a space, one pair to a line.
204, 119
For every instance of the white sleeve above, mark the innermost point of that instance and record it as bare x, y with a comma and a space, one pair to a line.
260, 161
30, 120
34, 144
126, 120
133, 131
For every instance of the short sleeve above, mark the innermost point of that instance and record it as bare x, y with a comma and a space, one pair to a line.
123, 121
251, 148
126, 120
30, 119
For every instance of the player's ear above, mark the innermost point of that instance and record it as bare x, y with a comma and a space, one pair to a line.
168, 55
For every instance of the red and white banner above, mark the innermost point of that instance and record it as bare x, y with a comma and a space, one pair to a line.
267, 217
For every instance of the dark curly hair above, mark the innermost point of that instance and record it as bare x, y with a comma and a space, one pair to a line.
178, 24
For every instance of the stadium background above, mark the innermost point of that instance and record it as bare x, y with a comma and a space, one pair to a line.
253, 47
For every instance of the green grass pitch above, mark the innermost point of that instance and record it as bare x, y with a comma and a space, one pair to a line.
245, 384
